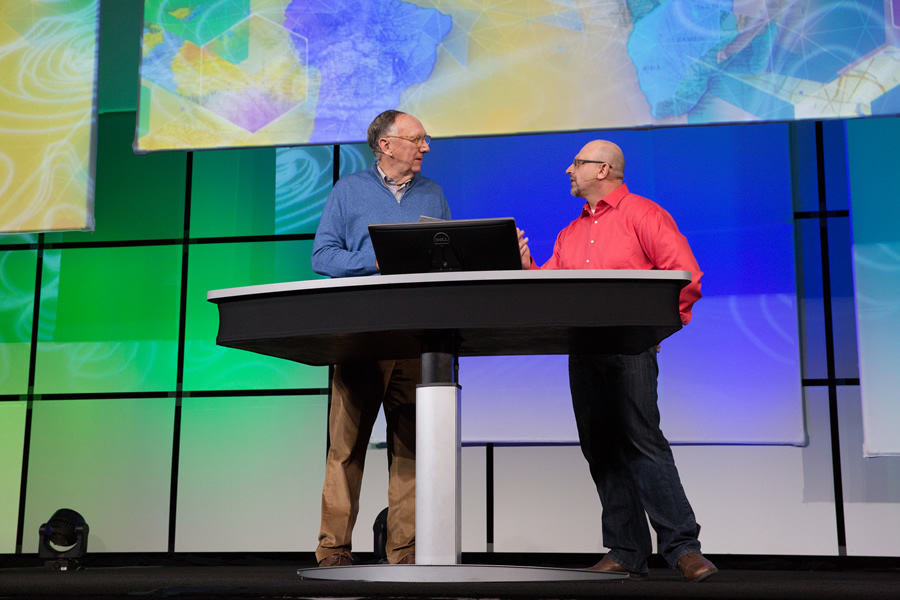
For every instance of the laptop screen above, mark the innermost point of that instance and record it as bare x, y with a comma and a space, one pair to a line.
430, 246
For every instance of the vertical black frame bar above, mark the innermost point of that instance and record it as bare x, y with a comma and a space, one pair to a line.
829, 346
489, 495
179, 370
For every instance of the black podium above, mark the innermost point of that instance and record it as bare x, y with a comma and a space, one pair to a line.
439, 317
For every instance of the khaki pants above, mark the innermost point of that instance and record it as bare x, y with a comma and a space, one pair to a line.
357, 392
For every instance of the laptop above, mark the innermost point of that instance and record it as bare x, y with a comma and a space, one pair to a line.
434, 245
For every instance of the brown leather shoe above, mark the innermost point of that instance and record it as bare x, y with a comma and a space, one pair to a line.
341, 558
695, 567
409, 559
608, 565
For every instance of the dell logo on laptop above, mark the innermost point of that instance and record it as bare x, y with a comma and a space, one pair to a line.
441, 239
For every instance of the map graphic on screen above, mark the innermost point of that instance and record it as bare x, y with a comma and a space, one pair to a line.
240, 73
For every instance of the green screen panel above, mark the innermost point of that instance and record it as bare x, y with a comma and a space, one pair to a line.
355, 157
219, 266
137, 197
259, 191
109, 460
12, 442
120, 58
17, 275
254, 465
233, 193
7, 239
109, 320
303, 180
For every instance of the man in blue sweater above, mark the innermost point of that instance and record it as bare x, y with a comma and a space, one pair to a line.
393, 190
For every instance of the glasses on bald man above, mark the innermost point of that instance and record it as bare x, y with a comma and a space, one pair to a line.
418, 140
578, 162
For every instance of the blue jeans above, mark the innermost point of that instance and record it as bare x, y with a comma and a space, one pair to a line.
614, 398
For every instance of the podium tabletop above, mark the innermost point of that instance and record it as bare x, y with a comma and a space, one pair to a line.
326, 321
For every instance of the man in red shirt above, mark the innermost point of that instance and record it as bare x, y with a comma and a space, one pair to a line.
614, 396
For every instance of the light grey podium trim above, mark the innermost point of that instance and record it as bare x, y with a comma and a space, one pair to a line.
449, 277
453, 574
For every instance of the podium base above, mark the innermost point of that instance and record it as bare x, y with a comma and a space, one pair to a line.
453, 573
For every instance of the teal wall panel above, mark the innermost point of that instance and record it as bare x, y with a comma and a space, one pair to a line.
239, 193
875, 145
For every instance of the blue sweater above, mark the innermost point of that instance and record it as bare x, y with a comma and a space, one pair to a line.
342, 247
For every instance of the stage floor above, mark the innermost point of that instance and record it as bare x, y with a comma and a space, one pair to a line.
195, 581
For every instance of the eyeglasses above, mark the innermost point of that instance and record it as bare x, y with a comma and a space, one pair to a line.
415, 139
578, 162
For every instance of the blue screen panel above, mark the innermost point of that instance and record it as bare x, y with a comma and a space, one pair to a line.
728, 188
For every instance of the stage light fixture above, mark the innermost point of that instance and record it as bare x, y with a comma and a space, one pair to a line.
63, 540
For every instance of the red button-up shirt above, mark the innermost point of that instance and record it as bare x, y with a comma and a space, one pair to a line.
627, 231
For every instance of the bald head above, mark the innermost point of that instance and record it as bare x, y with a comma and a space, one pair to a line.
607, 152
597, 170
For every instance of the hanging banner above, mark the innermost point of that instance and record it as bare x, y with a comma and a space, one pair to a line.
48, 66
292, 72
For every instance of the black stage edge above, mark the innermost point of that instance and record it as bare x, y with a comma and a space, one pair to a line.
274, 575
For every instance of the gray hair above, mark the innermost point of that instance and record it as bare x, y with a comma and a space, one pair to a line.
382, 124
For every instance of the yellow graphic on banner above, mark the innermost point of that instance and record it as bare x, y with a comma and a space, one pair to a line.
181, 13
47, 88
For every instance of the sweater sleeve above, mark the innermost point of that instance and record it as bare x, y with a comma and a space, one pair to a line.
445, 207
330, 255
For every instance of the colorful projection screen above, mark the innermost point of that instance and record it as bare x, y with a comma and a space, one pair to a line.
48, 57
238, 73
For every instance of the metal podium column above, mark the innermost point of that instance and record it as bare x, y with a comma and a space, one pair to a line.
438, 455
